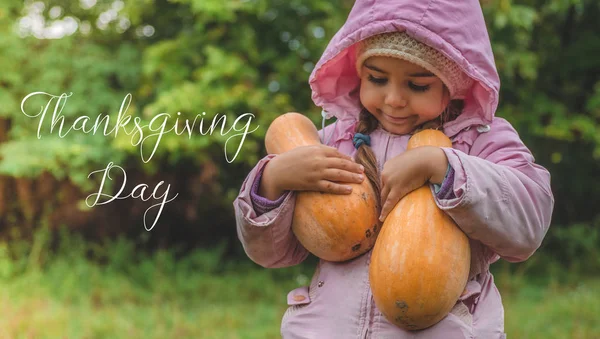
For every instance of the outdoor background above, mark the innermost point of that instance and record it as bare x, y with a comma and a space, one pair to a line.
69, 271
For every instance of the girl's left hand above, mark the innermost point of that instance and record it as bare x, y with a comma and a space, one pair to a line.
408, 171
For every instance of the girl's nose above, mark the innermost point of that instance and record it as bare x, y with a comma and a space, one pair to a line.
395, 98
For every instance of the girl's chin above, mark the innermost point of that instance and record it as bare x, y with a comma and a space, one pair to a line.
394, 129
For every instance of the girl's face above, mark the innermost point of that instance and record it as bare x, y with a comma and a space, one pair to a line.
400, 94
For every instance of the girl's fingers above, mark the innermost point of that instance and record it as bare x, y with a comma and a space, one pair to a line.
343, 176
342, 161
384, 211
386, 208
326, 186
335, 154
343, 164
385, 190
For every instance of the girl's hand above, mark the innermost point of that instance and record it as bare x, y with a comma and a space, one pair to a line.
310, 168
409, 171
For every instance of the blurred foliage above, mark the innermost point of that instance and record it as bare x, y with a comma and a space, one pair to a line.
233, 57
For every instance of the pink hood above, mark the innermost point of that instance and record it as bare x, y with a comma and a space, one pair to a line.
455, 28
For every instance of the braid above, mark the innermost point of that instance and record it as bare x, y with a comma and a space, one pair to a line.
365, 156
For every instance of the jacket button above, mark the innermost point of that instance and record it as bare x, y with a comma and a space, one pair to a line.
299, 297
483, 128
321, 283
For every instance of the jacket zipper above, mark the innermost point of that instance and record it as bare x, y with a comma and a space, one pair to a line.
370, 304
385, 151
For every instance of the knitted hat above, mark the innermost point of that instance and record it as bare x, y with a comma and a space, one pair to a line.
401, 45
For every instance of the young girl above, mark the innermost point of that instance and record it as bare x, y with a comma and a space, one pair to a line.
397, 66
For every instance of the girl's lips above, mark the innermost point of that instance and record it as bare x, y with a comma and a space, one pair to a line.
396, 119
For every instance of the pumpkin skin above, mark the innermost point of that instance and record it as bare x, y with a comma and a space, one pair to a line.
333, 227
420, 263
288, 131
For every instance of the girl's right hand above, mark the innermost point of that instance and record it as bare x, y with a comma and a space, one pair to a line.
310, 168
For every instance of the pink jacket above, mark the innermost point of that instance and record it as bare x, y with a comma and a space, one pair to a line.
503, 200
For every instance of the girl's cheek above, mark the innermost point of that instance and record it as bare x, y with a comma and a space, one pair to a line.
426, 109
366, 95
373, 94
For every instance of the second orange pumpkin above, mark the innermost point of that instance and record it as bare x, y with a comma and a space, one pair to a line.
420, 263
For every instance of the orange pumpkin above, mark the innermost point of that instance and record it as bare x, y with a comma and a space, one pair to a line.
420, 263
333, 227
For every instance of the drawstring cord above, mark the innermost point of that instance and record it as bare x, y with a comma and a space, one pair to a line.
325, 116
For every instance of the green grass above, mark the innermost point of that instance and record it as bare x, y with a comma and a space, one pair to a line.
129, 295
551, 310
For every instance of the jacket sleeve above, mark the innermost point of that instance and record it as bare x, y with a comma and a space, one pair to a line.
502, 198
267, 238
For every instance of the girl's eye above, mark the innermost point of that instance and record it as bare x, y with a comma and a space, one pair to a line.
417, 88
377, 81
